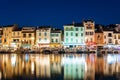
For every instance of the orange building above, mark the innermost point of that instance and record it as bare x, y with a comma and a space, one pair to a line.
99, 37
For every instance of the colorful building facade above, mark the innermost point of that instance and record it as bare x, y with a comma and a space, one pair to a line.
89, 33
43, 36
7, 34
28, 37
16, 38
56, 38
74, 35
99, 37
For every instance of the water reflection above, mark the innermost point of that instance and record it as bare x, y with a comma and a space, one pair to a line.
60, 67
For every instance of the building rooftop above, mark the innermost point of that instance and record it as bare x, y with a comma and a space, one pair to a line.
75, 25
42, 27
18, 29
10, 25
54, 30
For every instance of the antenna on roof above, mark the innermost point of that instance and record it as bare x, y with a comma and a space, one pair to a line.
73, 22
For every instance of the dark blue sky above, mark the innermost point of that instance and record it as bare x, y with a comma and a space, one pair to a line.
58, 12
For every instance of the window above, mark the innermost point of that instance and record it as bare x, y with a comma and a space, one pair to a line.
40, 34
98, 37
114, 36
88, 26
45, 39
91, 39
56, 40
29, 41
39, 39
81, 40
14, 40
18, 33
71, 33
30, 35
104, 36
109, 34
76, 34
66, 33
81, 29
57, 34
13, 33
71, 39
71, 29
87, 33
66, 39
5, 40
52, 40
45, 34
118, 36
76, 29
24, 35
81, 34
110, 40
76, 40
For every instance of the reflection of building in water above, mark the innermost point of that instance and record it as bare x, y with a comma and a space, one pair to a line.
43, 66
90, 72
55, 65
74, 67
99, 65
10, 67
112, 64
0, 75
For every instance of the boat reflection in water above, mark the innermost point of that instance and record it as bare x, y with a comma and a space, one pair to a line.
60, 66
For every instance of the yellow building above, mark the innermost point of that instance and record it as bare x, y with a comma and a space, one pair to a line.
28, 37
16, 38
99, 36
56, 41
7, 34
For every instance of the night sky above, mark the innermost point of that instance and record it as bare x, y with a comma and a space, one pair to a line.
58, 12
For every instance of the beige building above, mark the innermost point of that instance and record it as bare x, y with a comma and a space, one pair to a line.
116, 34
16, 38
28, 37
89, 32
108, 37
43, 36
7, 35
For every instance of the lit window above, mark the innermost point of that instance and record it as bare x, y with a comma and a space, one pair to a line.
39, 34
